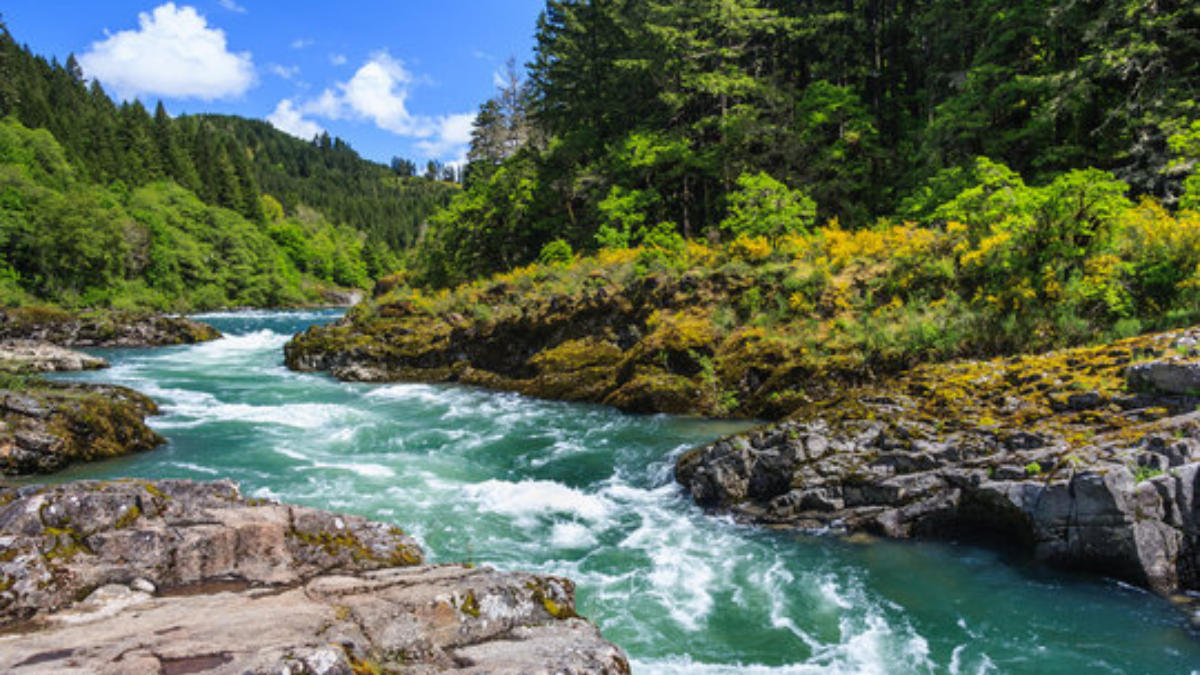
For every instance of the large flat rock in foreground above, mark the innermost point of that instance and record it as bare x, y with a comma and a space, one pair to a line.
178, 577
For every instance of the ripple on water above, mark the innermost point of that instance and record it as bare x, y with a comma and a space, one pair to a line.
588, 493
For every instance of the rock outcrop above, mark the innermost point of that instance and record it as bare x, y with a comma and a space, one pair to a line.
1171, 376
42, 357
101, 328
44, 426
641, 345
339, 297
180, 577
1051, 454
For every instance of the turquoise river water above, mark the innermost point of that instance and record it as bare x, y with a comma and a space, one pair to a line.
587, 492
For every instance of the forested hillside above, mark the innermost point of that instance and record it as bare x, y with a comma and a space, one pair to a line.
641, 119
106, 205
226, 161
328, 175
71, 241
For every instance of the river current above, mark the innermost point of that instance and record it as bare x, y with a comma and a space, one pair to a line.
587, 492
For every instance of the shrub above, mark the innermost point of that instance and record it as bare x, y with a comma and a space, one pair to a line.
764, 207
556, 252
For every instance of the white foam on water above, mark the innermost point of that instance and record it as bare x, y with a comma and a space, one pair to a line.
832, 594
288, 452
197, 468
955, 667
529, 501
291, 415
868, 647
565, 447
777, 582
685, 665
233, 347
572, 536
419, 393
265, 314
366, 470
684, 573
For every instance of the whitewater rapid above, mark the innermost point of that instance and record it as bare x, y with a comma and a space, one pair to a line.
586, 492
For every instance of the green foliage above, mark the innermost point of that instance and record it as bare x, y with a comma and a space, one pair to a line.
226, 161
328, 175
1185, 146
646, 111
556, 252
764, 207
155, 246
1144, 473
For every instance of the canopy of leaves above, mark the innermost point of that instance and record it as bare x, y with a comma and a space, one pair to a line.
158, 245
643, 112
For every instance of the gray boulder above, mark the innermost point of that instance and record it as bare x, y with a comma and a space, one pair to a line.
1173, 376
176, 576
43, 357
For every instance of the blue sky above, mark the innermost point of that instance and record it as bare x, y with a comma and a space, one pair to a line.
392, 77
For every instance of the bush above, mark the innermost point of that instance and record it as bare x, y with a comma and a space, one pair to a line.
556, 252
764, 207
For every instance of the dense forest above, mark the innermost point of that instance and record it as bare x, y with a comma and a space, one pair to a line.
72, 241
329, 176
105, 204
643, 119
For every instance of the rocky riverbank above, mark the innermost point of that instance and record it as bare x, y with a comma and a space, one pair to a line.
641, 345
44, 426
180, 577
1088, 459
31, 356
101, 328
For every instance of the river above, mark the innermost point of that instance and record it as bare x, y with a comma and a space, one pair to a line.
586, 492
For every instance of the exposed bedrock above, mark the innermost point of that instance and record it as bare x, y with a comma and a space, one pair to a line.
31, 356
101, 328
175, 576
1123, 509
45, 426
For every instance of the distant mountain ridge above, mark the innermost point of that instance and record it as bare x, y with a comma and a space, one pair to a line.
106, 205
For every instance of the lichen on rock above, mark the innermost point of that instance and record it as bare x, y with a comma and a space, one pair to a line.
1053, 453
204, 579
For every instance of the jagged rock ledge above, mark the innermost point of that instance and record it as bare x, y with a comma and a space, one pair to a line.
645, 345
1089, 459
44, 426
175, 576
101, 328
31, 356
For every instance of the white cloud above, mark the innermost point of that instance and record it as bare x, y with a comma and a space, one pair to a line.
337, 59
232, 6
287, 118
286, 72
328, 104
301, 43
378, 92
173, 53
452, 137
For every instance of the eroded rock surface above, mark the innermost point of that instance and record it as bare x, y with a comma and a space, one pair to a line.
1054, 454
101, 329
1173, 376
44, 426
43, 357
177, 576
